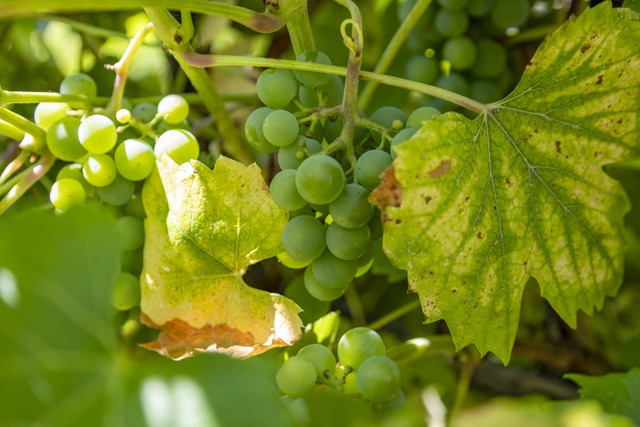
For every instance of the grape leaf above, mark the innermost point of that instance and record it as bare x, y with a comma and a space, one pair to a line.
203, 229
617, 393
474, 208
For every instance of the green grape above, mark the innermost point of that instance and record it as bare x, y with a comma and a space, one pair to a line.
62, 139
173, 109
312, 79
74, 171
305, 210
304, 238
365, 262
454, 82
320, 179
309, 97
510, 13
320, 356
144, 112
163, 126
134, 207
453, 4
378, 379
97, 134
320, 291
460, 51
276, 87
351, 209
421, 115
385, 116
78, 84
451, 23
349, 387
479, 8
333, 127
47, 113
422, 69
290, 262
126, 292
375, 225
399, 401
131, 232
401, 137
284, 192
313, 130
66, 193
369, 166
280, 128
485, 91
333, 91
118, 192
357, 345
296, 377
291, 156
99, 170
254, 133
312, 308
491, 59
131, 261
178, 144
348, 243
134, 159
333, 272
123, 116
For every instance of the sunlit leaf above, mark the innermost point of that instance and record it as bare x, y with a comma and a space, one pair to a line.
474, 208
204, 228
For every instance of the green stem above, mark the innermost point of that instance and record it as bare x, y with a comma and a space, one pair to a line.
394, 315
355, 306
37, 133
19, 97
91, 30
421, 347
27, 179
121, 68
203, 61
169, 32
469, 363
394, 46
533, 34
299, 28
14, 166
9, 130
260, 22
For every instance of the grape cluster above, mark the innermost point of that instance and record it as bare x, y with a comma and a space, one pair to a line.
455, 46
333, 224
108, 159
362, 370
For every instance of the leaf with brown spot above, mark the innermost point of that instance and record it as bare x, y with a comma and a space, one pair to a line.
540, 204
203, 229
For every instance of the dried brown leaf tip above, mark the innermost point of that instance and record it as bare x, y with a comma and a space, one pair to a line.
389, 192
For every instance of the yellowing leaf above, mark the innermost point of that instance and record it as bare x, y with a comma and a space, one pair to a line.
474, 208
204, 228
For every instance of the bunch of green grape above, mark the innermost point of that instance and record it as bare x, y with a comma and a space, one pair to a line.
362, 369
457, 46
333, 227
108, 158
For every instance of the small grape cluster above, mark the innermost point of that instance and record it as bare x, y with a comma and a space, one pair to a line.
363, 369
107, 163
454, 48
333, 224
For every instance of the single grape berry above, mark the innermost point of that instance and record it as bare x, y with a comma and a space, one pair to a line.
351, 209
179, 144
318, 290
386, 116
99, 170
460, 51
348, 243
451, 23
276, 87
126, 292
422, 69
173, 109
131, 232
378, 379
97, 134
144, 112
280, 128
284, 192
369, 167
47, 113
291, 156
66, 193
134, 159
254, 132
62, 139
118, 192
320, 356
333, 272
78, 84
401, 137
357, 345
420, 115
312, 79
320, 179
304, 238
296, 377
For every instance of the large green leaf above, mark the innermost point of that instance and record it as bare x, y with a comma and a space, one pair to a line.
204, 228
474, 208
617, 393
